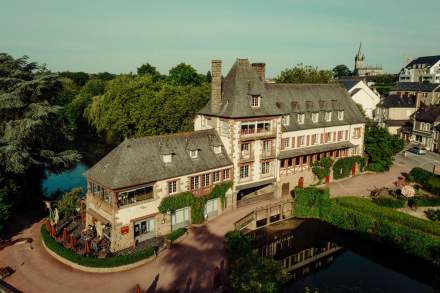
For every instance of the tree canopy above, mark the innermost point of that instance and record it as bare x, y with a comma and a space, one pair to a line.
381, 147
341, 70
304, 74
184, 74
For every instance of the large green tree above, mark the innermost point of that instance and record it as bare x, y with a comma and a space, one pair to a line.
32, 133
341, 70
304, 74
134, 105
381, 147
184, 74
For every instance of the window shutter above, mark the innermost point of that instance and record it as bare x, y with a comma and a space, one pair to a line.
322, 138
293, 142
308, 140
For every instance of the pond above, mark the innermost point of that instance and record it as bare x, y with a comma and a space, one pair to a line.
55, 184
320, 257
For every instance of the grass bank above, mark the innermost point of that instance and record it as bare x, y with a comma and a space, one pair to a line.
409, 234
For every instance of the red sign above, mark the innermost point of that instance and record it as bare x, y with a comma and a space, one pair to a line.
124, 229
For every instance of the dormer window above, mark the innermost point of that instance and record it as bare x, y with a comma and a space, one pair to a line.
328, 116
340, 115
285, 120
255, 101
167, 158
301, 118
218, 149
193, 154
315, 117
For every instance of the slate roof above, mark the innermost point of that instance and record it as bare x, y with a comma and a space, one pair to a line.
282, 99
430, 115
396, 101
398, 122
348, 84
415, 87
429, 60
139, 160
314, 149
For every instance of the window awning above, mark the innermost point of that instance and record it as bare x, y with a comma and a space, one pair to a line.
97, 216
315, 149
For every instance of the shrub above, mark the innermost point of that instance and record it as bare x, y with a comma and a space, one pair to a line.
394, 203
173, 236
433, 215
113, 261
68, 204
342, 167
425, 178
424, 201
249, 272
322, 168
310, 202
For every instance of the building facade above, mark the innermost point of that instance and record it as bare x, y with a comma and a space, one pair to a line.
362, 95
426, 128
261, 138
422, 69
362, 70
273, 132
395, 112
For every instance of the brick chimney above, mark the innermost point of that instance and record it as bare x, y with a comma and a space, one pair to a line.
216, 85
261, 70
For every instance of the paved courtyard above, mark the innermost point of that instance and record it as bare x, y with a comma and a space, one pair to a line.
192, 260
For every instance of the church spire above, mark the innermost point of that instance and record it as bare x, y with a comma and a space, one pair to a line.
360, 54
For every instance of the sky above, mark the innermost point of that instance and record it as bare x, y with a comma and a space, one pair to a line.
118, 36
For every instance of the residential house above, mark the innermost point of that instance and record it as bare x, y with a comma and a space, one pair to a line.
273, 132
395, 111
428, 93
426, 128
362, 95
126, 187
422, 69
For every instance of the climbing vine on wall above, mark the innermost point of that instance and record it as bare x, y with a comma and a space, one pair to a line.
197, 204
322, 167
342, 167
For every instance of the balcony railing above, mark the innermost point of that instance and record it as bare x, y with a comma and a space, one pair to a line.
256, 131
267, 154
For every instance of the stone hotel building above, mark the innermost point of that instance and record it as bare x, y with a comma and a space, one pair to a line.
262, 137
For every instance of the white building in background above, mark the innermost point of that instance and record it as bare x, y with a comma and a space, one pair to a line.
362, 94
422, 69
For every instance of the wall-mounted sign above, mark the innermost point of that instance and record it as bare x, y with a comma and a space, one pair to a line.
125, 229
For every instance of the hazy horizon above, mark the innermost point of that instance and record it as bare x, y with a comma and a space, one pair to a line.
96, 36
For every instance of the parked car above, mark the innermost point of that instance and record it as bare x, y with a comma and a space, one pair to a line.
418, 150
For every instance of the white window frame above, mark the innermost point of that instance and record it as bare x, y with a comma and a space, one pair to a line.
255, 101
172, 187
328, 116
226, 174
193, 154
301, 118
266, 168
315, 117
285, 120
224, 125
217, 149
195, 183
215, 176
340, 115
301, 140
206, 180
167, 158
244, 171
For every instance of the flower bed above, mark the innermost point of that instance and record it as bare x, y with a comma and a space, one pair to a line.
109, 262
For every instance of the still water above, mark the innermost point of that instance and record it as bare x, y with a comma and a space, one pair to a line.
58, 183
323, 258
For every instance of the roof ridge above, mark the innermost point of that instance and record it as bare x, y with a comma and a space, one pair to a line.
177, 134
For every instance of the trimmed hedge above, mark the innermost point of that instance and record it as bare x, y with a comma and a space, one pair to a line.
113, 261
389, 202
176, 234
342, 167
425, 178
424, 201
412, 235
367, 207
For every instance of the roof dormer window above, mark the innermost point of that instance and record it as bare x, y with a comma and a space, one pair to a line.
193, 154
255, 101
340, 115
328, 116
315, 117
167, 158
218, 149
301, 118
285, 120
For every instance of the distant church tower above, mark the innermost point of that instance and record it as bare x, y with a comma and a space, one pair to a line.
359, 60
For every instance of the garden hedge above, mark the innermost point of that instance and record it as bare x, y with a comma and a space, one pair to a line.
173, 236
342, 167
113, 261
424, 201
429, 181
412, 235
390, 202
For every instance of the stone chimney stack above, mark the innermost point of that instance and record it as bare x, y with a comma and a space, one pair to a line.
216, 85
261, 70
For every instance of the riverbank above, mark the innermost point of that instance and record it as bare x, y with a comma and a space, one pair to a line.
409, 234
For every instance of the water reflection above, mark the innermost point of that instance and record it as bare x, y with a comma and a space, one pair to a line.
319, 256
56, 184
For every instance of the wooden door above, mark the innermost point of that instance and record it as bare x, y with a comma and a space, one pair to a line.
327, 179
353, 170
301, 182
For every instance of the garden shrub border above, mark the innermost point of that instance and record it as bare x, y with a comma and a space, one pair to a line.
409, 234
92, 262
429, 181
389, 202
176, 234
197, 204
